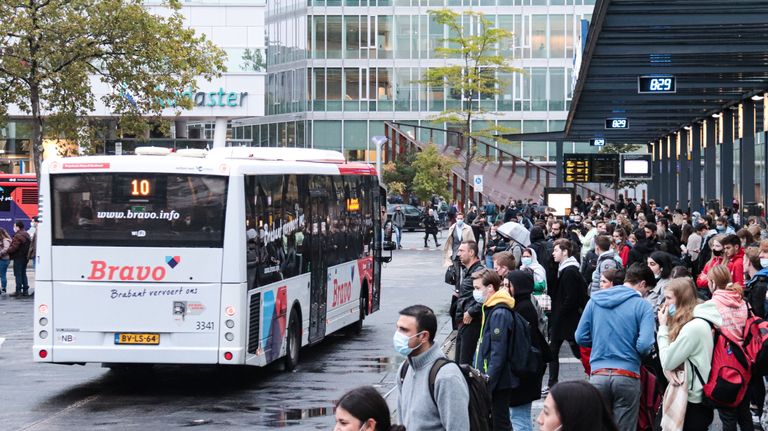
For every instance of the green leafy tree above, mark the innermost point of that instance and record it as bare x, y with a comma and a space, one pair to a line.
49, 50
621, 149
253, 61
432, 173
471, 74
401, 171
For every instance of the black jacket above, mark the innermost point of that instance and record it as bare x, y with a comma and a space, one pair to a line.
567, 303
529, 389
466, 301
641, 251
754, 293
430, 225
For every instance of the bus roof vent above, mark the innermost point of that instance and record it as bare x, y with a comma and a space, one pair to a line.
152, 151
191, 152
279, 154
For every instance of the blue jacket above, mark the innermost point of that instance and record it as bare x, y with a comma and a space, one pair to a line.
492, 355
619, 326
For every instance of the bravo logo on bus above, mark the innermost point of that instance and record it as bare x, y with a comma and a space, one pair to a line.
100, 270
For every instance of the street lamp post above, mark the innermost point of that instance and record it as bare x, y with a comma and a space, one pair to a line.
378, 141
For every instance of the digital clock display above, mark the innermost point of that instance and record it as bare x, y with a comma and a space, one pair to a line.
597, 142
616, 123
656, 84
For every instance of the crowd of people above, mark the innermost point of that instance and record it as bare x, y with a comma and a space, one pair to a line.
648, 299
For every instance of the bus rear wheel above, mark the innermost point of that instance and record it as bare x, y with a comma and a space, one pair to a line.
293, 345
357, 327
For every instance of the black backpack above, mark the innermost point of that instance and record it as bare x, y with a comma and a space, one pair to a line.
479, 395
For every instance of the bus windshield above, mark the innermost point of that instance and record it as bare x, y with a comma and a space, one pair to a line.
138, 209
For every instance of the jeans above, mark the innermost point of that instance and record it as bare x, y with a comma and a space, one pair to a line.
622, 395
521, 417
489, 261
398, 235
20, 272
4, 272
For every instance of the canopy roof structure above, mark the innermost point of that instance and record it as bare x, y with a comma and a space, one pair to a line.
715, 50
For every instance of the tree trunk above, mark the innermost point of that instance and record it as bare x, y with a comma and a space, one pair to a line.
37, 129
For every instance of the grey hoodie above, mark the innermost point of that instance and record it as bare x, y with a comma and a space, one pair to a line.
606, 260
417, 411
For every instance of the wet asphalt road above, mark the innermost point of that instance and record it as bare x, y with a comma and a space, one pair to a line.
60, 397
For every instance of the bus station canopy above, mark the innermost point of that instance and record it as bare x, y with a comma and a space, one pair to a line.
716, 50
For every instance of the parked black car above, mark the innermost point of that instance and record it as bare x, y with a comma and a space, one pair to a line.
413, 216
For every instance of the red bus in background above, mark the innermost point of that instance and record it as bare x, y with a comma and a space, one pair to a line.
18, 199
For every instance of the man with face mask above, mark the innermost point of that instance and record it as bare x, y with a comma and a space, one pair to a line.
416, 407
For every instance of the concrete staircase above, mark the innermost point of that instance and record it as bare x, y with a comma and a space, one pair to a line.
505, 175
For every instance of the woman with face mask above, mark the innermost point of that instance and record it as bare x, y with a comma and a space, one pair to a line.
718, 258
728, 297
661, 264
575, 405
529, 262
363, 409
685, 342
619, 244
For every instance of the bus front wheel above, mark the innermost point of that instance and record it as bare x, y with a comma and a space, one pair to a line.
293, 343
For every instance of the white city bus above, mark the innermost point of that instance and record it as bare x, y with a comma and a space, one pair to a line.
235, 256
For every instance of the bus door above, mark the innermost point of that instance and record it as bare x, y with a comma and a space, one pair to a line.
378, 202
319, 196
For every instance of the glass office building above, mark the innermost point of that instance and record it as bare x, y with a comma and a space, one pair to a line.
337, 69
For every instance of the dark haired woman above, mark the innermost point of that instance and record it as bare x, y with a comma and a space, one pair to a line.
575, 405
661, 264
363, 409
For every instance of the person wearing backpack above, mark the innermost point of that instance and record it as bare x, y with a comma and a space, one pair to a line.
606, 259
728, 298
685, 341
619, 327
498, 331
522, 287
440, 404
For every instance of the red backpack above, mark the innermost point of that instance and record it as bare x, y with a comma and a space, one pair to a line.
756, 343
730, 373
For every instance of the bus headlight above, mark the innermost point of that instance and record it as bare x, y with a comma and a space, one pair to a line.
43, 335
43, 321
229, 336
230, 323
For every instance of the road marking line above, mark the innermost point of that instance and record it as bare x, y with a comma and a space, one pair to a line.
67, 409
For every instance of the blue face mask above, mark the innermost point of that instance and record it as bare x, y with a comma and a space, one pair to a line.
459, 223
478, 295
400, 342
526, 261
672, 310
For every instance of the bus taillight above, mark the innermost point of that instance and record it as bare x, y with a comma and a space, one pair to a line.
43, 354
227, 355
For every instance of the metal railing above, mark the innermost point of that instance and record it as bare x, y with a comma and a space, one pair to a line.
503, 157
